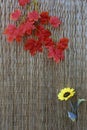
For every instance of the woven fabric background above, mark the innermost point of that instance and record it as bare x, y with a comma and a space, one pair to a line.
29, 85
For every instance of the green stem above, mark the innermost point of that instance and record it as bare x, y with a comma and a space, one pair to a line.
73, 109
35, 4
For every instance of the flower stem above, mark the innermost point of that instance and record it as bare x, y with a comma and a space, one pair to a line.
72, 107
35, 4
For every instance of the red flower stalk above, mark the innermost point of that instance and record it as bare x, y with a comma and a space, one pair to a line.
33, 25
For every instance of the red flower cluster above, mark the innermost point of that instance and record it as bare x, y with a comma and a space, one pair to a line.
38, 37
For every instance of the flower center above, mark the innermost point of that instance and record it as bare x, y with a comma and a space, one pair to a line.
66, 94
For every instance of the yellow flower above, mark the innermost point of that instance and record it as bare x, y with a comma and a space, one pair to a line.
66, 93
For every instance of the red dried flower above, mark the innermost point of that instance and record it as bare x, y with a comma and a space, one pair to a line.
54, 21
9, 31
29, 27
23, 2
63, 43
44, 18
33, 16
18, 35
56, 54
33, 46
42, 33
26, 28
57, 51
48, 42
15, 15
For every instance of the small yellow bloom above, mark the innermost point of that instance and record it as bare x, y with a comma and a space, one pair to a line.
66, 93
